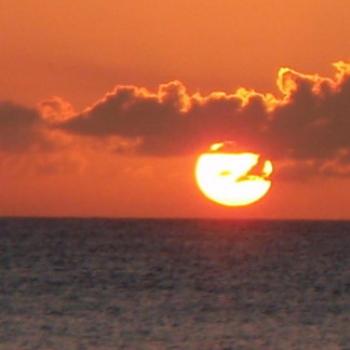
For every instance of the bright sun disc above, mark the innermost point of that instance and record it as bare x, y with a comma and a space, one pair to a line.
232, 179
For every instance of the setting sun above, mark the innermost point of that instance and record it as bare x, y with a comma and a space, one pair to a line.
232, 179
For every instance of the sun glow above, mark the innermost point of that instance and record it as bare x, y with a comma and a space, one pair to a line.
232, 179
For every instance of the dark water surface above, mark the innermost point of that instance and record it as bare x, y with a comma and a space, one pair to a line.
174, 284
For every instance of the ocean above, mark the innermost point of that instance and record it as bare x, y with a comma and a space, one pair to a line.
174, 284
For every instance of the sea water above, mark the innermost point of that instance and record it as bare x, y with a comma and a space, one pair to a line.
174, 284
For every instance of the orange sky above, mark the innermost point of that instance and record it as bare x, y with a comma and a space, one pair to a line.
80, 50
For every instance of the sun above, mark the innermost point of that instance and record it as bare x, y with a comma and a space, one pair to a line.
232, 179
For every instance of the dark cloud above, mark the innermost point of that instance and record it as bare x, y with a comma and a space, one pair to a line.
171, 121
21, 128
311, 121
309, 125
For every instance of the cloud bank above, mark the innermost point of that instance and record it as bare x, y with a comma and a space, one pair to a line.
310, 120
308, 123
